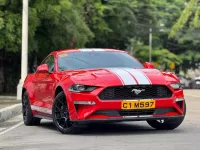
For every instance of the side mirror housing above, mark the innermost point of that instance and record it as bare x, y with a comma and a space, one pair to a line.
43, 68
148, 65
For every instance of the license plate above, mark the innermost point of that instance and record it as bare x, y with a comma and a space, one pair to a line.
138, 104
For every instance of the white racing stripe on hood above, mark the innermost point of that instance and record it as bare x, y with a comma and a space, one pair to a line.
123, 75
139, 76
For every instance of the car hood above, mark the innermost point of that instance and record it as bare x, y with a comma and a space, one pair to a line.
120, 76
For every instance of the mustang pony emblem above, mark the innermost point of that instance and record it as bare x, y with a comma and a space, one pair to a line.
137, 91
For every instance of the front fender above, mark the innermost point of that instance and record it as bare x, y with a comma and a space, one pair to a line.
28, 86
170, 77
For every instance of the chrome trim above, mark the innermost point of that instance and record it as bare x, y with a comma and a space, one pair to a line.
84, 102
142, 116
179, 99
41, 109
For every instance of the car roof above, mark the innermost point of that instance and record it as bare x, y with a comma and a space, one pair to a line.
86, 50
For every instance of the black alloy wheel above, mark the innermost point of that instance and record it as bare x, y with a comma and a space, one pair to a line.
60, 115
167, 124
28, 117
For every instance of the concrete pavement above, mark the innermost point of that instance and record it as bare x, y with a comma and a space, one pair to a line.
10, 124
9, 107
10, 111
120, 136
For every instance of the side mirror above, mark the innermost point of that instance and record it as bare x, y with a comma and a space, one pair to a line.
148, 65
43, 68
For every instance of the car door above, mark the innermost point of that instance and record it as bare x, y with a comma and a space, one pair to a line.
45, 83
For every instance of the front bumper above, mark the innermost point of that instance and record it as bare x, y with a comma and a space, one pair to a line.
124, 119
109, 110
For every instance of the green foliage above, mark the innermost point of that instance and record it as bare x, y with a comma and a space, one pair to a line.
120, 24
10, 26
190, 60
196, 18
185, 16
185, 32
52, 25
59, 22
189, 38
161, 56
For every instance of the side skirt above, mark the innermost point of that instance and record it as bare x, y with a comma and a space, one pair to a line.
43, 113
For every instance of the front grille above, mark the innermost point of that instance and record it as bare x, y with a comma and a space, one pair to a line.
136, 112
130, 92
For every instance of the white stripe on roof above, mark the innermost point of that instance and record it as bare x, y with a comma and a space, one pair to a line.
91, 49
98, 49
86, 50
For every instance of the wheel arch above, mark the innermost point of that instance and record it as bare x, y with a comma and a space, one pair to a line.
58, 90
23, 91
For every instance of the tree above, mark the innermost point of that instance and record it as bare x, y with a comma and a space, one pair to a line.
94, 13
60, 25
191, 9
185, 32
190, 60
120, 24
161, 56
10, 31
52, 25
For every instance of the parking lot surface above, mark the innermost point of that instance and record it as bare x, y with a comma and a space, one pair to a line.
120, 136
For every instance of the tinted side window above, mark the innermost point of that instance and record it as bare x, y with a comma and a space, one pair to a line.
50, 62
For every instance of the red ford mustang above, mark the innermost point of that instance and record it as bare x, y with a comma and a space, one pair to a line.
81, 86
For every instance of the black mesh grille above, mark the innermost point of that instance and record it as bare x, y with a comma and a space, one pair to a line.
130, 92
136, 112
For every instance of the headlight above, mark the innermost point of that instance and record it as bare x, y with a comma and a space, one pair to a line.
176, 86
81, 88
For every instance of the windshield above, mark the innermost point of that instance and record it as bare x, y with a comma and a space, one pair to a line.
88, 60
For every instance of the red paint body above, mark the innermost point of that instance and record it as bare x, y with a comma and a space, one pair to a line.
41, 88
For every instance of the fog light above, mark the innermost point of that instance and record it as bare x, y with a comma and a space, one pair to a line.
179, 99
85, 102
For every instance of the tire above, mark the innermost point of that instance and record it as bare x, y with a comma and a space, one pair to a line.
61, 117
168, 124
28, 118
